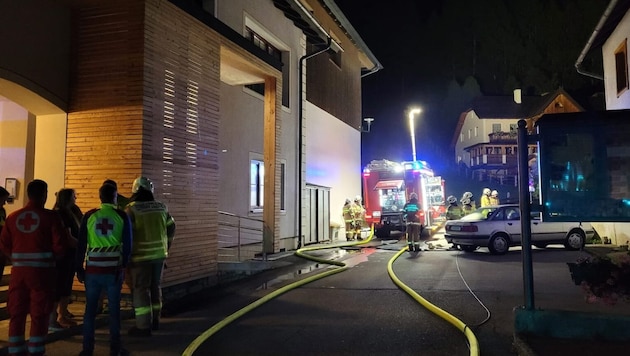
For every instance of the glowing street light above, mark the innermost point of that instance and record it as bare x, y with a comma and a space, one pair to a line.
412, 112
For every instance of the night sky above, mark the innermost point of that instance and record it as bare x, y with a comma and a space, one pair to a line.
419, 44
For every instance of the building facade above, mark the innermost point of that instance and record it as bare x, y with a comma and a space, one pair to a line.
223, 104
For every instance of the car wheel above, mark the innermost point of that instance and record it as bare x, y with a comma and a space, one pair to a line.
499, 245
575, 240
468, 248
541, 245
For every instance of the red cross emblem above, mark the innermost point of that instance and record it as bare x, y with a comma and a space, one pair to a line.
28, 221
104, 226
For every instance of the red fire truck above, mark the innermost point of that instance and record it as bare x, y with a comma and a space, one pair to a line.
386, 189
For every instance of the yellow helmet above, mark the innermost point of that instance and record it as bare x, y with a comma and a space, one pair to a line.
142, 182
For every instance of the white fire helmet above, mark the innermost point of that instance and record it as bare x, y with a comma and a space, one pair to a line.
451, 199
413, 196
495, 193
486, 191
357, 199
348, 200
143, 182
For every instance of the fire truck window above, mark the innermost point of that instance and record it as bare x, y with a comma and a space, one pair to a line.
392, 200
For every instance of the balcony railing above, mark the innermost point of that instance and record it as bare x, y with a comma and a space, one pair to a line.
503, 137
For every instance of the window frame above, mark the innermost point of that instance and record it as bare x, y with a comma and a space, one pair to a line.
621, 67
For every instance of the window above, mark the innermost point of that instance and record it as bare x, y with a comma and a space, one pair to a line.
469, 133
476, 131
282, 184
496, 127
513, 128
621, 66
282, 56
207, 5
256, 185
461, 137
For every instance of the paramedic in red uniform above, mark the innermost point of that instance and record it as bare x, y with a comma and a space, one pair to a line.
34, 238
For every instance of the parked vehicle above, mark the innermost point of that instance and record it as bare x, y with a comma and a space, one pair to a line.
499, 227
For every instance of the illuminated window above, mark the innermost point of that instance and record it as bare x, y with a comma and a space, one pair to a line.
621, 66
256, 184
496, 127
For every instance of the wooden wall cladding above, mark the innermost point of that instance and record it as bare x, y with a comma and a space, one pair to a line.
145, 101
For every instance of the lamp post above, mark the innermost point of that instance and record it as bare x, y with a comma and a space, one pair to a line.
412, 112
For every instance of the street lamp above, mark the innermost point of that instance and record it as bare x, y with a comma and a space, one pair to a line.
412, 112
368, 122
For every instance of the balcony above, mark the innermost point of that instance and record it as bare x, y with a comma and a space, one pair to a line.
503, 137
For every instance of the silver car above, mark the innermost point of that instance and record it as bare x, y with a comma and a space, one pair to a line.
499, 227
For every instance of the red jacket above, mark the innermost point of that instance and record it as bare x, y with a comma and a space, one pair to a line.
33, 237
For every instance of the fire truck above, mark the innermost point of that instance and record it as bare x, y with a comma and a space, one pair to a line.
386, 189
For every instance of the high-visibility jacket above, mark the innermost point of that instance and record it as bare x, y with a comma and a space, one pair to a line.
33, 237
484, 200
411, 210
348, 213
104, 240
153, 230
454, 212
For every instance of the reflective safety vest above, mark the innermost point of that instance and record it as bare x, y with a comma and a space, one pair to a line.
151, 223
411, 210
348, 213
108, 233
454, 212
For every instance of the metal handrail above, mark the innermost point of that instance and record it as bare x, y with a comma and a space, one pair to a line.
237, 232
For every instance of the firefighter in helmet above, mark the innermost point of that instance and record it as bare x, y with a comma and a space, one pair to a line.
485, 197
494, 198
411, 211
453, 212
359, 217
348, 218
468, 204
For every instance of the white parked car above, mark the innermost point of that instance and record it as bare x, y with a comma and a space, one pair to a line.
499, 227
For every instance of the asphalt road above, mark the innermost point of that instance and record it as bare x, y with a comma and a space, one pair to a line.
361, 311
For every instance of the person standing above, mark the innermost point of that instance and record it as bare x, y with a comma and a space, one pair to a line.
153, 233
411, 210
121, 200
4, 195
468, 204
453, 212
348, 218
494, 198
105, 241
33, 237
359, 217
71, 215
485, 197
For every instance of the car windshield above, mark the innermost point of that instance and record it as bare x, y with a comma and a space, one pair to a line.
479, 214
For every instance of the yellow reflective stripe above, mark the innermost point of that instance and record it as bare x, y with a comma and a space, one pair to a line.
143, 310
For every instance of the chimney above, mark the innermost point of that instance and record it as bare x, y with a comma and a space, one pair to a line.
517, 96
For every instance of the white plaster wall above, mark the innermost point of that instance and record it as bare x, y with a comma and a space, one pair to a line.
333, 158
621, 33
13, 136
241, 129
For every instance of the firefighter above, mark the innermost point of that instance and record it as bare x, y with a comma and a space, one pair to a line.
494, 198
359, 217
485, 197
348, 218
468, 204
414, 227
153, 233
453, 212
33, 237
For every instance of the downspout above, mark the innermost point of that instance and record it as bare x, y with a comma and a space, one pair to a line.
587, 47
300, 130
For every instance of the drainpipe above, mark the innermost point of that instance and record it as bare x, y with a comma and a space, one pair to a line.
587, 47
300, 130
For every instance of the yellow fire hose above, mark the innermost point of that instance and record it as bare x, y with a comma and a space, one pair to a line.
194, 345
